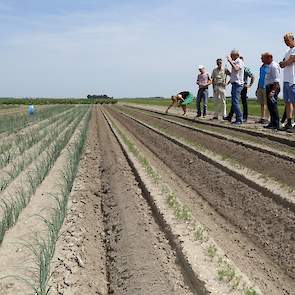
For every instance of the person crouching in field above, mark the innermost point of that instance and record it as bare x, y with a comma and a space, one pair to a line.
272, 83
182, 99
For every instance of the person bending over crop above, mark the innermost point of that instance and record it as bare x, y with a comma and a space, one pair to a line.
182, 99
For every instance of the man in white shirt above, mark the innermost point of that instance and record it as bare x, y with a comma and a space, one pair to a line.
272, 88
237, 81
288, 64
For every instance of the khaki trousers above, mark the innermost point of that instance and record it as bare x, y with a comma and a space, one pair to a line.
220, 101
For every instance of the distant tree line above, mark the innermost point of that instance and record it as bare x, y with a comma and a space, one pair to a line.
98, 96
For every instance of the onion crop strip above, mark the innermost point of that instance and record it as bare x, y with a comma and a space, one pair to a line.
19, 163
45, 249
13, 205
24, 142
24, 135
12, 123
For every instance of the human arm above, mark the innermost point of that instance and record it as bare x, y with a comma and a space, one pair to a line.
288, 61
213, 78
234, 65
209, 80
171, 105
252, 79
275, 73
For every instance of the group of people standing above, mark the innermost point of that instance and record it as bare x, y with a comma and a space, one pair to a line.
241, 79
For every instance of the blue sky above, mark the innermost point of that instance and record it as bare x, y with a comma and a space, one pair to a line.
129, 48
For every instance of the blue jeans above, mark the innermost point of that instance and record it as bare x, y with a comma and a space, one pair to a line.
202, 93
236, 90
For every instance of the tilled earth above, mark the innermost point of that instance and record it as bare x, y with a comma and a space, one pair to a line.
267, 224
112, 243
253, 159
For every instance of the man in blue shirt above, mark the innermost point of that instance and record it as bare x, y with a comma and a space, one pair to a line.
261, 93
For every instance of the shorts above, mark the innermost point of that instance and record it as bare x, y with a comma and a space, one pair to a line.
261, 95
289, 92
188, 100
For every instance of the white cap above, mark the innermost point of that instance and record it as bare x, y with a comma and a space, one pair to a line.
201, 67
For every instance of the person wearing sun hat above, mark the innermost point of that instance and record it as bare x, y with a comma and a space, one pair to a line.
203, 80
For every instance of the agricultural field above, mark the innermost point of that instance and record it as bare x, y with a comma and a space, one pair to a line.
123, 199
253, 106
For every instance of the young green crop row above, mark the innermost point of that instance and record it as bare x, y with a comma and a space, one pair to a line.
49, 101
15, 122
42, 244
44, 252
17, 165
12, 203
25, 137
22, 142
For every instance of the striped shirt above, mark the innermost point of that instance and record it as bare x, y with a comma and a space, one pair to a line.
247, 74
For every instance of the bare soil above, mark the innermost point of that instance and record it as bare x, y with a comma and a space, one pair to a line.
113, 243
266, 223
264, 163
136, 257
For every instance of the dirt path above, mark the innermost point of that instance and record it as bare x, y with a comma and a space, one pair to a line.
136, 257
80, 260
268, 225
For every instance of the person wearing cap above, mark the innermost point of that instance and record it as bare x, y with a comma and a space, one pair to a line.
237, 82
272, 88
260, 92
219, 83
288, 64
203, 80
182, 99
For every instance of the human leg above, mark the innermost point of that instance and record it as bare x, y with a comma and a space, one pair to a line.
235, 96
174, 101
216, 100
288, 98
198, 102
205, 101
244, 99
222, 101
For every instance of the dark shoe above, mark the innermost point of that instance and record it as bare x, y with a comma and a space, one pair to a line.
260, 121
237, 123
226, 118
286, 127
269, 126
292, 130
